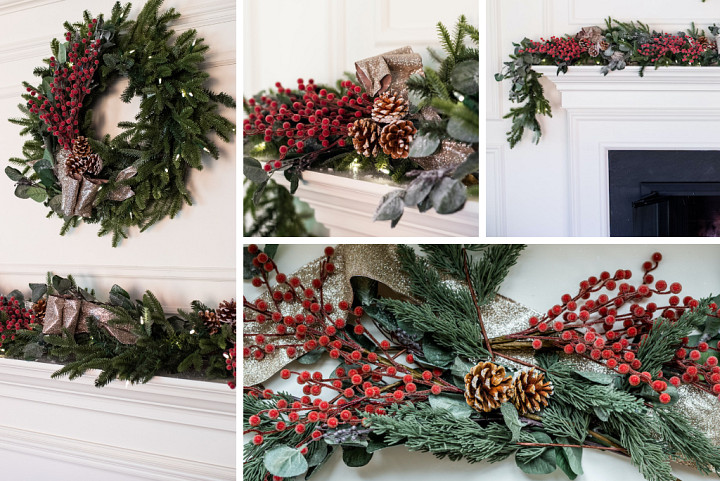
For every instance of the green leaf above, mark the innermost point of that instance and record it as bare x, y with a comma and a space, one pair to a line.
47, 155
355, 456
321, 451
390, 207
253, 170
414, 333
62, 52
457, 407
602, 413
448, 196
285, 462
418, 190
423, 145
47, 177
462, 130
14, 174
597, 377
470, 166
38, 291
18, 296
311, 357
512, 420
264, 151
270, 249
119, 297
436, 355
37, 193
543, 463
563, 463
315, 468
461, 367
465, 77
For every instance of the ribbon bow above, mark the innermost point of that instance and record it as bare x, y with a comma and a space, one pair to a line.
72, 314
389, 70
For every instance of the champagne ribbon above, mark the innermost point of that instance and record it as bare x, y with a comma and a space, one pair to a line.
388, 71
72, 314
123, 192
78, 195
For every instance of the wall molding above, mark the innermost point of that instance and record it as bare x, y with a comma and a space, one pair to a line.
496, 194
175, 273
19, 5
493, 109
574, 19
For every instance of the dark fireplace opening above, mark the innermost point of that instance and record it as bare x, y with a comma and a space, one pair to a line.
664, 193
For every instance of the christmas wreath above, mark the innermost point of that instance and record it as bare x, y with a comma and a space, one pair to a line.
124, 339
137, 177
429, 356
614, 47
415, 124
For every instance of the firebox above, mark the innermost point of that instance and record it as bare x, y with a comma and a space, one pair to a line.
664, 193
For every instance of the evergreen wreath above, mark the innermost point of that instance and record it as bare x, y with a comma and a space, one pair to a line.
139, 175
614, 47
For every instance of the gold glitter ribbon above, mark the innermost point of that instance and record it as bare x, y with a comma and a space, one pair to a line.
123, 192
72, 314
389, 70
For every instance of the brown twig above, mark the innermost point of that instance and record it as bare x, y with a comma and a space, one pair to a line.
514, 359
605, 448
477, 306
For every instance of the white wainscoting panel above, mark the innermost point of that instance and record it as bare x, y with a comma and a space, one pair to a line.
190, 256
166, 430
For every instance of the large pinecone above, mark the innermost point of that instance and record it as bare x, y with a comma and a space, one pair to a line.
395, 138
211, 321
82, 161
389, 107
531, 391
487, 387
227, 312
39, 310
365, 134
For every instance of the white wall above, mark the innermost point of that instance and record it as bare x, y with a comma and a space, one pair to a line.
528, 190
189, 257
322, 39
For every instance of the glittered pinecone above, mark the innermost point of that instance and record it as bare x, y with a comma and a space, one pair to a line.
39, 310
211, 320
591, 35
365, 134
487, 387
593, 51
81, 147
603, 45
389, 107
77, 166
531, 391
395, 138
703, 42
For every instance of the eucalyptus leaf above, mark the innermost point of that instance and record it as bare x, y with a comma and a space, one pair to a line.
321, 451
314, 469
461, 367
465, 77
602, 413
311, 357
423, 145
391, 206
448, 196
470, 166
13, 174
564, 463
56, 204
285, 462
543, 464
18, 296
270, 249
33, 351
38, 291
61, 285
259, 193
462, 130
47, 155
264, 151
355, 456
36, 193
62, 52
512, 420
253, 170
436, 355
414, 333
418, 190
458, 407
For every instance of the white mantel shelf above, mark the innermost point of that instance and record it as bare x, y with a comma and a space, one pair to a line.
168, 429
670, 108
346, 207
681, 87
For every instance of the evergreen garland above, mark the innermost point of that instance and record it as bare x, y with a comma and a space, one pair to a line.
164, 142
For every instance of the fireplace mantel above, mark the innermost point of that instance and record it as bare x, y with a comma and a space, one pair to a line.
671, 108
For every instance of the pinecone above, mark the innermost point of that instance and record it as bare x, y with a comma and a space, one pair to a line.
389, 107
211, 321
703, 42
77, 166
39, 310
81, 147
593, 51
603, 45
531, 391
365, 134
227, 312
395, 138
487, 387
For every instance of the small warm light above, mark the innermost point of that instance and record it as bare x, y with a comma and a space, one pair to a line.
385, 170
192, 331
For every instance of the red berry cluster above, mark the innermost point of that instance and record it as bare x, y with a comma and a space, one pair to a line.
231, 364
310, 113
14, 317
677, 48
562, 50
592, 326
373, 379
60, 111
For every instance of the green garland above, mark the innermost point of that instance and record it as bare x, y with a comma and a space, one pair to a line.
617, 45
163, 345
164, 142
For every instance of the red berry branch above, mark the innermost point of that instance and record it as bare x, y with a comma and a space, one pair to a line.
681, 48
373, 380
309, 114
565, 49
591, 324
13, 317
70, 84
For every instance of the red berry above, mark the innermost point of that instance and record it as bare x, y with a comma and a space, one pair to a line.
634, 380
664, 398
